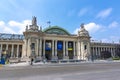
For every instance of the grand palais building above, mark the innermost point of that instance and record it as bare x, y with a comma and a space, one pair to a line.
53, 43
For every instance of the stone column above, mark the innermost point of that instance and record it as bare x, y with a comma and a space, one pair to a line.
67, 50
40, 47
114, 52
44, 48
1, 51
6, 46
29, 48
1, 47
78, 50
63, 49
111, 52
92, 53
17, 50
99, 51
74, 49
56, 49
12, 50
52, 49
96, 52
37, 48
26, 46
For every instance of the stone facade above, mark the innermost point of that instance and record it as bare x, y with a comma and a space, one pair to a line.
54, 43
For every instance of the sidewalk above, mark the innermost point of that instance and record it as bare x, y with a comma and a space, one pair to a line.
25, 64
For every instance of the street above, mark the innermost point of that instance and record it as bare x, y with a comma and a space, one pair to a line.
82, 71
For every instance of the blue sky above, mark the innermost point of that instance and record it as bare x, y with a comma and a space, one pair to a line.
101, 17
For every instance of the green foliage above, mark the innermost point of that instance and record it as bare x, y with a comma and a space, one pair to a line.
116, 58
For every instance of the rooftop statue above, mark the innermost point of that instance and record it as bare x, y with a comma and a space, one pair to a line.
34, 21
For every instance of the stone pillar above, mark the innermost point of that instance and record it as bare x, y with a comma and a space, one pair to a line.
96, 53
67, 50
12, 53
111, 52
6, 46
26, 46
1, 51
1, 47
74, 48
29, 52
17, 50
114, 52
93, 53
64, 50
55, 47
37, 48
43, 48
52, 49
99, 51
78, 50
40, 48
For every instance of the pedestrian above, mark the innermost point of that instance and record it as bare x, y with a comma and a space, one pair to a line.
31, 61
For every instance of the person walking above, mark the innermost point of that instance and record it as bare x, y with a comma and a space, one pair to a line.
31, 61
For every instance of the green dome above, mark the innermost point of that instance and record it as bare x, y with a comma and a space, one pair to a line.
56, 30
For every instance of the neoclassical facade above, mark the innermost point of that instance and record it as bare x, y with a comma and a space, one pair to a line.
53, 43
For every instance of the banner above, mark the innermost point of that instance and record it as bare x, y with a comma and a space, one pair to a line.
59, 45
70, 46
48, 46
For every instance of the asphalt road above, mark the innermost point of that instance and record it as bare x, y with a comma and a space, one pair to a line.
83, 71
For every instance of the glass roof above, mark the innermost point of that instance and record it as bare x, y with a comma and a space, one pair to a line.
11, 36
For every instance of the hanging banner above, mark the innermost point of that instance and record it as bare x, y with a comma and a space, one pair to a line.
48, 46
59, 45
70, 46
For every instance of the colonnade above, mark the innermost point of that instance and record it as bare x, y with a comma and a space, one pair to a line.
13, 50
40, 45
96, 50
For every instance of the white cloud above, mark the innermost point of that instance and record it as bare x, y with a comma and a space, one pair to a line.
82, 12
114, 24
104, 13
76, 30
111, 39
19, 25
13, 26
2, 23
4, 28
91, 27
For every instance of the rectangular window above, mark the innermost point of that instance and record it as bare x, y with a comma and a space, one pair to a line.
33, 46
85, 47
